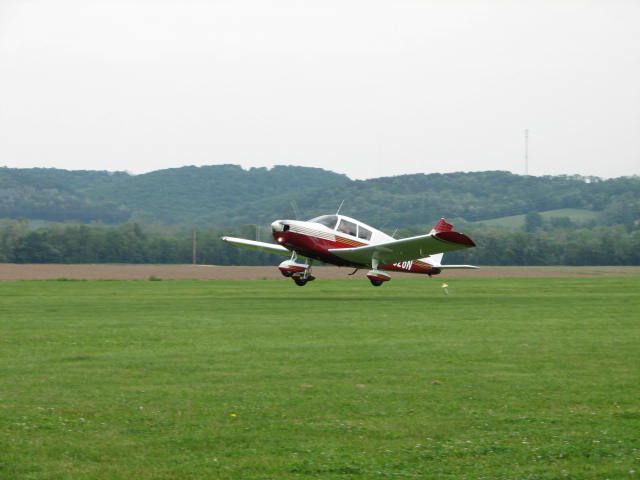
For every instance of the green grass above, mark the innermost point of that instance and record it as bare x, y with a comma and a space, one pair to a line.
514, 222
502, 379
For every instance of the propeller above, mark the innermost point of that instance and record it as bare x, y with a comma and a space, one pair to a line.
294, 207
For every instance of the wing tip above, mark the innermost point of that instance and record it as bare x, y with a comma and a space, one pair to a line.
455, 237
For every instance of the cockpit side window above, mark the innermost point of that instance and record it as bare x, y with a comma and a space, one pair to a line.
326, 220
364, 233
347, 227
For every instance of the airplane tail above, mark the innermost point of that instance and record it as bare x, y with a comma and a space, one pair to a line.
435, 260
441, 226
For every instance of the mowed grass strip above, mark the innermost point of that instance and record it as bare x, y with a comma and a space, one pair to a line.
502, 378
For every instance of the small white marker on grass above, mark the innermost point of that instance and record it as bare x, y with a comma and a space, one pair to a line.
445, 288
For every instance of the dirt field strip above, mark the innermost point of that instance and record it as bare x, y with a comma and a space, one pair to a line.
9, 272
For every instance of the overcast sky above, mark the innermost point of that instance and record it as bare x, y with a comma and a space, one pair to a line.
367, 88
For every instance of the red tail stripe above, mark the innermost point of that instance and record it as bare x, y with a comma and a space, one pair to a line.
443, 226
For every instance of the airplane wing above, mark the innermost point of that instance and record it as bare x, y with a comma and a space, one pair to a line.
255, 245
406, 248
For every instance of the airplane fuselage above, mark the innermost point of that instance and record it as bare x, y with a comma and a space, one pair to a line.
314, 240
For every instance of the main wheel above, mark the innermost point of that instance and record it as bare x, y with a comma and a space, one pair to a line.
375, 282
301, 282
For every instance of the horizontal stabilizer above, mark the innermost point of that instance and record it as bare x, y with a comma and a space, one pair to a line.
455, 267
255, 245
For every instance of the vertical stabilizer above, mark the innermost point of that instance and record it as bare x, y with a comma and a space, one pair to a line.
442, 226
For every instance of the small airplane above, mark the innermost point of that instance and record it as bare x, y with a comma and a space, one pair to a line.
346, 242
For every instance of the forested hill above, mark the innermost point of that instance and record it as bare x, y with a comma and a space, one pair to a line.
192, 196
227, 195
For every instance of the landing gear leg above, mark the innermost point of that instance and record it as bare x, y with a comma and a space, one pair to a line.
307, 272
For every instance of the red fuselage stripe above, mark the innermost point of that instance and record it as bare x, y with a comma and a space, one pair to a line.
318, 248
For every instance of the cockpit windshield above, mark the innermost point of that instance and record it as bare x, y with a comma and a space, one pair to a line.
326, 220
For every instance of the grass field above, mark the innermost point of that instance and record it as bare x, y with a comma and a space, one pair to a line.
520, 378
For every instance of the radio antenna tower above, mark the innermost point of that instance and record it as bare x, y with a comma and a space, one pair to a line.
526, 151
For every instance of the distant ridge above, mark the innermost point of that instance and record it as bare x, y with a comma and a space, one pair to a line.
220, 195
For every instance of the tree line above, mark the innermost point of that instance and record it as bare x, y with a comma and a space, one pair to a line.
597, 246
128, 243
543, 244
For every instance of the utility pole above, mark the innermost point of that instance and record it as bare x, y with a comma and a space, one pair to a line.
526, 151
194, 248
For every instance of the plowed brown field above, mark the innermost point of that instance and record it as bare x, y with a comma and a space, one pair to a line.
210, 272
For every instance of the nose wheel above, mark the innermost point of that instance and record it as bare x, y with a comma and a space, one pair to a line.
375, 276
301, 278
301, 282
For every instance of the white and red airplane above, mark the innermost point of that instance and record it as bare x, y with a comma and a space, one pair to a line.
346, 242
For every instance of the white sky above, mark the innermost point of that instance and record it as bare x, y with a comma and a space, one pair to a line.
364, 87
